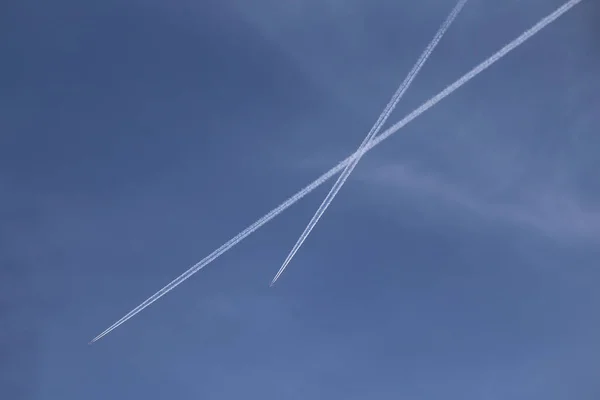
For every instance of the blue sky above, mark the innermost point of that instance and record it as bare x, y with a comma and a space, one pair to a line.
459, 261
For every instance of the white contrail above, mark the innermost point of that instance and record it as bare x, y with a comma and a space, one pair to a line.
388, 132
374, 131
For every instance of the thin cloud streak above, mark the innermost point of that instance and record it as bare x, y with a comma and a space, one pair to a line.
546, 209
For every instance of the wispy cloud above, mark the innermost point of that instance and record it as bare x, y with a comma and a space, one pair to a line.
549, 209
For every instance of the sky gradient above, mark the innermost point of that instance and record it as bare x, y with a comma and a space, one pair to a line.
460, 260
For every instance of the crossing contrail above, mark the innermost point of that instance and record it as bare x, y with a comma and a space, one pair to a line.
374, 131
329, 174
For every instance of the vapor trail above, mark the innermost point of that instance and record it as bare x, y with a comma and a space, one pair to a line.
374, 131
388, 132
